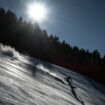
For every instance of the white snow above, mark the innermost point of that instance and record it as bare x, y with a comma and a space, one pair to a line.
28, 81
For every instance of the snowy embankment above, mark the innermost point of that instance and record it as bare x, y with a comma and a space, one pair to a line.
28, 81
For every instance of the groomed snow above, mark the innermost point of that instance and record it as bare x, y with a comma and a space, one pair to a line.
28, 81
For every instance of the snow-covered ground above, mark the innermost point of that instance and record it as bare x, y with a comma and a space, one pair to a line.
28, 81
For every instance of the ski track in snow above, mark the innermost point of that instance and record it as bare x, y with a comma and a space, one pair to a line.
28, 81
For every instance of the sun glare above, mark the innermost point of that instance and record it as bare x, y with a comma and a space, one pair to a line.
37, 12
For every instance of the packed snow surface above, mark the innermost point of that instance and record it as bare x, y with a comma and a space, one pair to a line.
28, 81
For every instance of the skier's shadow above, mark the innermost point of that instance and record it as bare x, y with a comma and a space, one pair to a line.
69, 80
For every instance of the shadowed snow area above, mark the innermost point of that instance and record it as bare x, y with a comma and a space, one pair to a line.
28, 81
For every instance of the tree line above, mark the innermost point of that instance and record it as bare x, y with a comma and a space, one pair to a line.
31, 39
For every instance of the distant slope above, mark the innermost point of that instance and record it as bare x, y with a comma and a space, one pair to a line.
28, 81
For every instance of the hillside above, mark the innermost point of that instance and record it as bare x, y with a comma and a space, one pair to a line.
36, 42
29, 81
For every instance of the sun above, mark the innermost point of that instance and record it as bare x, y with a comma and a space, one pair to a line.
37, 12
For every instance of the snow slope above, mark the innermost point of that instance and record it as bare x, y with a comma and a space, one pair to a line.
28, 81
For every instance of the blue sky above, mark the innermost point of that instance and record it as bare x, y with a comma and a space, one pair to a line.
78, 22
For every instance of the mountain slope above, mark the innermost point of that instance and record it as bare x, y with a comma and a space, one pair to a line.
28, 81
